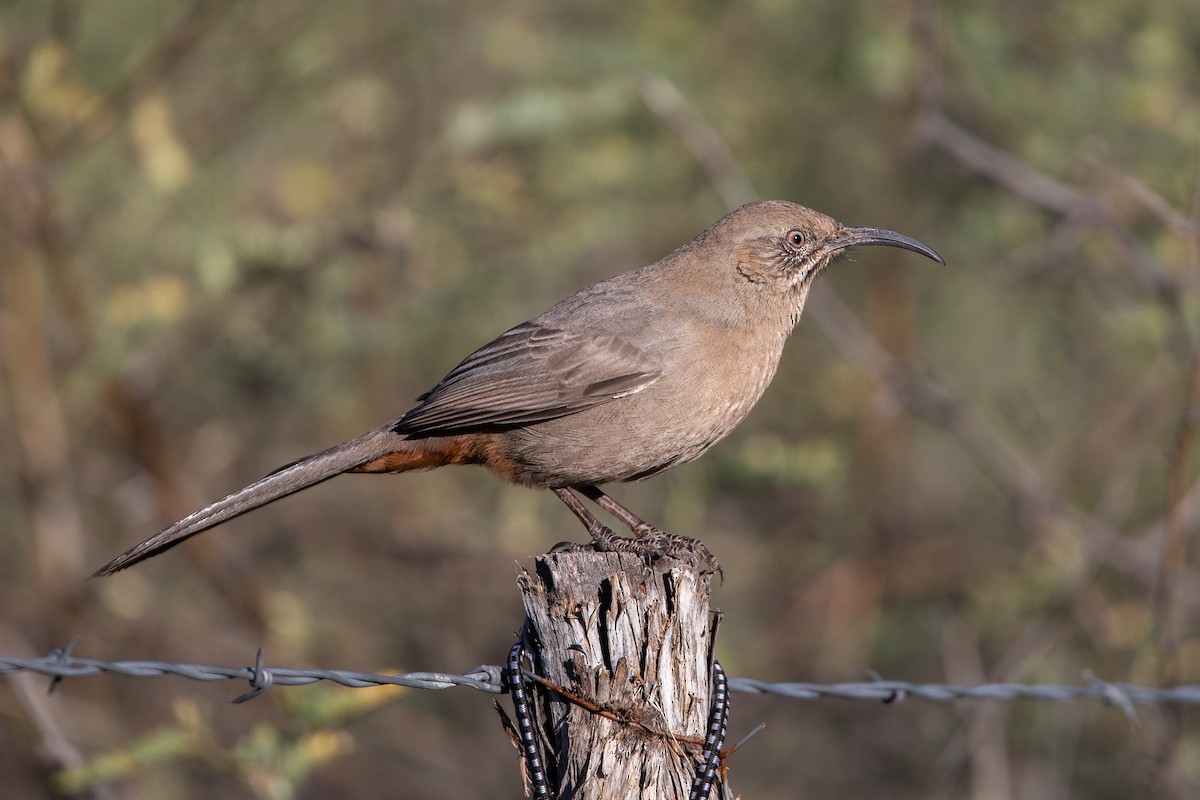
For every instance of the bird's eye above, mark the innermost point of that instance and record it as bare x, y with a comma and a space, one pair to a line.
795, 238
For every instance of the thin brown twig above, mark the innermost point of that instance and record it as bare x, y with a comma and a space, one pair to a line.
607, 713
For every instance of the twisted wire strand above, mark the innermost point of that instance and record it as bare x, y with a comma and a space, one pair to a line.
60, 664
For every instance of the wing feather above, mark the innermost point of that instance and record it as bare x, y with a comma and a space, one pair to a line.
528, 374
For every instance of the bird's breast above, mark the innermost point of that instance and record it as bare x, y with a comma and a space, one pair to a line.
704, 392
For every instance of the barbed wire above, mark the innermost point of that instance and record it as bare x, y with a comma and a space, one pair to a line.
61, 664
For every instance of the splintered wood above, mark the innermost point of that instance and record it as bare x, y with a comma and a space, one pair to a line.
630, 643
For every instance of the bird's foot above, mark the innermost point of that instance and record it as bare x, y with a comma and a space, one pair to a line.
682, 547
652, 544
604, 540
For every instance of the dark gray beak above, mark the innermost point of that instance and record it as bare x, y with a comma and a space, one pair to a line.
855, 237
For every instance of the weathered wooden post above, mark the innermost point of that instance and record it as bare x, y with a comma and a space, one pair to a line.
631, 642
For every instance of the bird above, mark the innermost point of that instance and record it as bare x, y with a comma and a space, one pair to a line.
620, 381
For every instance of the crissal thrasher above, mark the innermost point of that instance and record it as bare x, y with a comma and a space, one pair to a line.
617, 382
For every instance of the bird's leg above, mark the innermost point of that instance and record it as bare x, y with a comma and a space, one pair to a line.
604, 538
659, 541
636, 524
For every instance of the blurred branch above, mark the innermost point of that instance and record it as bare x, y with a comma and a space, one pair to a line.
1032, 492
1063, 199
982, 744
31, 392
1044, 254
1157, 205
717, 160
1017, 177
1079, 208
1174, 550
1046, 193
1174, 542
175, 43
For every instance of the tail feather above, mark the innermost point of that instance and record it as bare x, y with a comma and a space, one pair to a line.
298, 475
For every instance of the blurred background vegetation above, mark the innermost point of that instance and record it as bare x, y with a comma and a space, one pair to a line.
232, 233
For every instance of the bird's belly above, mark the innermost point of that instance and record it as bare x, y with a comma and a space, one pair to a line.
638, 435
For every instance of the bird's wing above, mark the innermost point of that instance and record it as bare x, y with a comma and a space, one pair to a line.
530, 373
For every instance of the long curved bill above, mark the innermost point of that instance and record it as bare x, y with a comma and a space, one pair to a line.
856, 237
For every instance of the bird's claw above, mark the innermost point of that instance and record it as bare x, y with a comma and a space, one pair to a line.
652, 544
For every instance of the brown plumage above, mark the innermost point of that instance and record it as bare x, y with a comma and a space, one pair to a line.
617, 382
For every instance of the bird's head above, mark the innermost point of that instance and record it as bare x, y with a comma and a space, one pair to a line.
783, 246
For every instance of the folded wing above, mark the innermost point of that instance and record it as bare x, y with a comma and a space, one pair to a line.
529, 374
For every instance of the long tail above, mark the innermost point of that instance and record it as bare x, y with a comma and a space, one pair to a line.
298, 475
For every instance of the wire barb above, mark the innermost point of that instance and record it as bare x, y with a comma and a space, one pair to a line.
61, 655
1112, 694
261, 679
